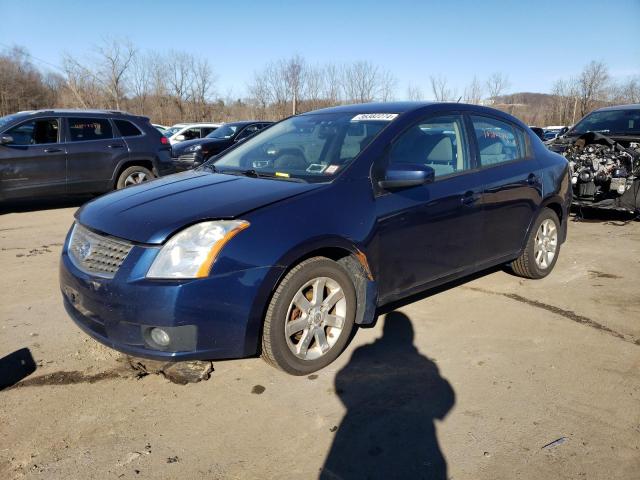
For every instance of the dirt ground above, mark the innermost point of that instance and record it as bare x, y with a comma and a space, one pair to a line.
493, 378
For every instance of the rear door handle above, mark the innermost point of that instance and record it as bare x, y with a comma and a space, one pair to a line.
52, 150
533, 179
115, 146
469, 198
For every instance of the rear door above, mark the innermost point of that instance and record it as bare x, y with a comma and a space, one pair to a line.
432, 231
94, 153
35, 163
513, 190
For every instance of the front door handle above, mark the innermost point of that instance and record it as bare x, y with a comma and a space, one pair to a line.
115, 146
52, 150
469, 198
533, 179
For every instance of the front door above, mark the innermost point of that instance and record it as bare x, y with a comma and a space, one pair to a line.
34, 163
432, 231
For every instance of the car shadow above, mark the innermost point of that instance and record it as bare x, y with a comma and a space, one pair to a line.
393, 395
15, 367
21, 206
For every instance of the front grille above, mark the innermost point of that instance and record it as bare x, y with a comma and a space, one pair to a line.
97, 254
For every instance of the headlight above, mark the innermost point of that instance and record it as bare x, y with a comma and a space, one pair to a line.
193, 148
191, 252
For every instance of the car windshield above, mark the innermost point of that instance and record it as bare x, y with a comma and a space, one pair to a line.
312, 147
225, 131
171, 131
7, 119
609, 122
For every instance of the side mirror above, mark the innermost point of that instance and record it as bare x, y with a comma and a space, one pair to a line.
404, 175
6, 139
180, 138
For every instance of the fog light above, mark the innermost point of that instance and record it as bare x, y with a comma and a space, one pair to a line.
160, 337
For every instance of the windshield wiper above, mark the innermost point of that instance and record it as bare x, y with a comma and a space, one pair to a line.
255, 174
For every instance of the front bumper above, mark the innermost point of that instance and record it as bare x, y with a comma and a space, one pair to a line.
212, 318
187, 161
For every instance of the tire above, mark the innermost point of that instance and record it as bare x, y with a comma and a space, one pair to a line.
284, 314
528, 264
131, 173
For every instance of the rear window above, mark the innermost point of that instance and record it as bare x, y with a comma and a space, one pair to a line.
83, 129
127, 129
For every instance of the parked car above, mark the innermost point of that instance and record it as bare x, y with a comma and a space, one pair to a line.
603, 150
160, 128
189, 131
192, 153
554, 131
284, 242
60, 152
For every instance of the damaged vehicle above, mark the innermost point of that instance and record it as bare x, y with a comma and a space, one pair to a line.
603, 151
286, 242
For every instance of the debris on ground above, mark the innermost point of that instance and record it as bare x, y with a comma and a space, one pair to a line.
181, 373
555, 443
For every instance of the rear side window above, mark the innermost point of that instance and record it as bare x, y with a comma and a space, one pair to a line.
498, 141
35, 132
437, 142
127, 129
83, 129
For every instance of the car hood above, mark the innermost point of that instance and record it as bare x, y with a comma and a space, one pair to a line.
151, 212
179, 148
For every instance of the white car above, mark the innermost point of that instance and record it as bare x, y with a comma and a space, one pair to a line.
161, 128
189, 131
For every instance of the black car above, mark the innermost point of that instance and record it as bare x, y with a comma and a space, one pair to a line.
192, 153
65, 152
603, 150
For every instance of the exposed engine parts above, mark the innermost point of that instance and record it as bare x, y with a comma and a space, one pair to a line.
605, 173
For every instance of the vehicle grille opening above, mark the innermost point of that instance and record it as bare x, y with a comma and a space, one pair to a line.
97, 254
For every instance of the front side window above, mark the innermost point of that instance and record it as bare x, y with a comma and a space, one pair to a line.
311, 147
35, 132
84, 129
437, 142
224, 132
498, 141
609, 122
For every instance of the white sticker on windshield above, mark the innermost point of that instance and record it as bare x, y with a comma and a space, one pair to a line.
381, 117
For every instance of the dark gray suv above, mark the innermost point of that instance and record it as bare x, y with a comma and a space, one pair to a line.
66, 152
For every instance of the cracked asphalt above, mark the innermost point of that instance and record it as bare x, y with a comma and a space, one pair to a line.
493, 377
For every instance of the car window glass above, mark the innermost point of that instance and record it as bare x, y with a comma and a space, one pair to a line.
35, 132
204, 131
497, 141
83, 129
247, 131
127, 129
437, 142
191, 133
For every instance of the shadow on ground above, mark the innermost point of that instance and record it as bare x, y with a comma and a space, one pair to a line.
393, 395
20, 206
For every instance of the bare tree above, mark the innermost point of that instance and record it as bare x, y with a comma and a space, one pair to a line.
441, 90
293, 73
474, 91
414, 93
591, 85
497, 84
360, 82
114, 61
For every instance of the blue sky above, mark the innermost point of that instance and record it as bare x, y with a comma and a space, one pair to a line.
534, 43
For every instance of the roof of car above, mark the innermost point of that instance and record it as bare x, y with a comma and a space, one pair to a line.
631, 106
379, 107
84, 111
247, 122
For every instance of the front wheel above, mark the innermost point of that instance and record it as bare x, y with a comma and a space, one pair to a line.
542, 249
133, 176
310, 317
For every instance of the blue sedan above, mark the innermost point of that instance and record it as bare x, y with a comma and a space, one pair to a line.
286, 242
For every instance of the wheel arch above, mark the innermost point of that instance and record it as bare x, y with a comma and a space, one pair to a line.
146, 163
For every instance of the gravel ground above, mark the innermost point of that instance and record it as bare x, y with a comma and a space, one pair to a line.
495, 377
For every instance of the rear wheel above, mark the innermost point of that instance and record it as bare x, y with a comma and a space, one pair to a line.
134, 175
542, 249
310, 317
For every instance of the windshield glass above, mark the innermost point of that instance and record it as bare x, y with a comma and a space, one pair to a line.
609, 122
7, 119
171, 131
225, 131
313, 147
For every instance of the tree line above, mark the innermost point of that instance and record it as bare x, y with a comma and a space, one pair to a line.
179, 86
